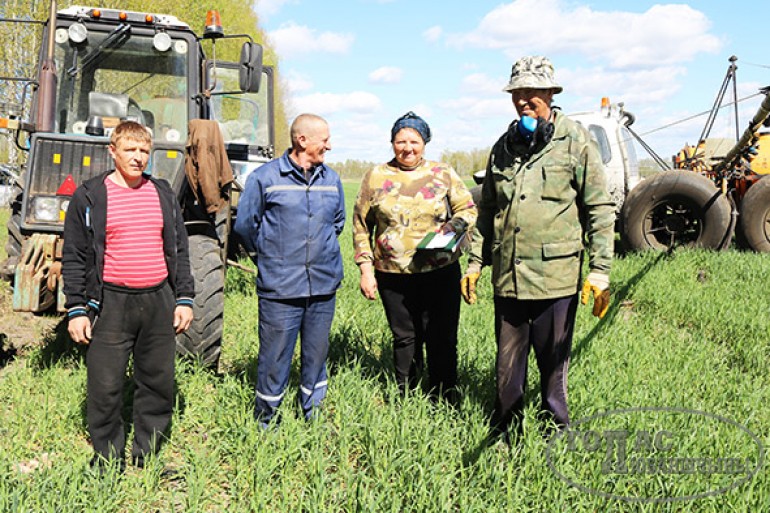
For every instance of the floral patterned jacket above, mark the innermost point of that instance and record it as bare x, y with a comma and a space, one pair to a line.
395, 209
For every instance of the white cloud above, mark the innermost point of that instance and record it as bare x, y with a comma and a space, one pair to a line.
266, 8
481, 83
432, 34
635, 58
361, 139
634, 87
292, 40
386, 75
325, 104
469, 108
297, 82
661, 36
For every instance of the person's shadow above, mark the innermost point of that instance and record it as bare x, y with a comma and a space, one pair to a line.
57, 347
7, 352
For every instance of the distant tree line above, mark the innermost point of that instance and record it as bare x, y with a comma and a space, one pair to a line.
466, 162
648, 167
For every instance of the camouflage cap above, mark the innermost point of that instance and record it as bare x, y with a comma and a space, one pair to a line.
533, 72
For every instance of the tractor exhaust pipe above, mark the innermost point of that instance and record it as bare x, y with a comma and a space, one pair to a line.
46, 94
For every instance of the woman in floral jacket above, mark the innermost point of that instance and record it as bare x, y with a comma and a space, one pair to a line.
399, 203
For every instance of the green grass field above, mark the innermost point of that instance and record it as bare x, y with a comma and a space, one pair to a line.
689, 330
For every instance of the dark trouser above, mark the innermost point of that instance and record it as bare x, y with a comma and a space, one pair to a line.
280, 321
547, 326
136, 322
424, 306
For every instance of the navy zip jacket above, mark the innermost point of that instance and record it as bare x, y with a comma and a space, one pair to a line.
84, 235
289, 226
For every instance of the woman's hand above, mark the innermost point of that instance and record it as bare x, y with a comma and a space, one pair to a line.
368, 283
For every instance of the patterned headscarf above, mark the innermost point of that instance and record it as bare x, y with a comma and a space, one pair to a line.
411, 120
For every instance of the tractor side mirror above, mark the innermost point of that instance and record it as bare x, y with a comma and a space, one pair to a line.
250, 67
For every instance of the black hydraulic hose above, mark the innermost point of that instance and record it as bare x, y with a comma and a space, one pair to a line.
657, 158
729, 76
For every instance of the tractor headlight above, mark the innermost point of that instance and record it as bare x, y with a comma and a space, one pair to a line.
161, 42
46, 209
77, 32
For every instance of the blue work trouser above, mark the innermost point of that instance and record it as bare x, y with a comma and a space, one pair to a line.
280, 320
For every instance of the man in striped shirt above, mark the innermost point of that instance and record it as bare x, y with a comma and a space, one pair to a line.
126, 263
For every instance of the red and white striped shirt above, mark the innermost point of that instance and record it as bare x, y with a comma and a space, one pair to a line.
133, 250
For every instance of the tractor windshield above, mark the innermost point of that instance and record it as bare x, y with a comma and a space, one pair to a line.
120, 74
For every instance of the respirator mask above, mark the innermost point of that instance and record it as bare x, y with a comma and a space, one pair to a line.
531, 133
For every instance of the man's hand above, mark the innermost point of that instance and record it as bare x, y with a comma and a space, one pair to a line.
183, 316
368, 283
468, 283
79, 329
599, 285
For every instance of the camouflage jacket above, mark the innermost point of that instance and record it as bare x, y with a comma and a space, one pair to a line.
536, 212
395, 209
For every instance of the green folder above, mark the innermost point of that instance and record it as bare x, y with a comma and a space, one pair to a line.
435, 241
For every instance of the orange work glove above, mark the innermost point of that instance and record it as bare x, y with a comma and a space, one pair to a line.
468, 283
599, 285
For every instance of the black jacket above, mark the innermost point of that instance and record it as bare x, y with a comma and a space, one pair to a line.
85, 234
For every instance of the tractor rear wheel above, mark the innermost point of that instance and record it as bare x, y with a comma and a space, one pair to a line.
754, 221
203, 340
676, 208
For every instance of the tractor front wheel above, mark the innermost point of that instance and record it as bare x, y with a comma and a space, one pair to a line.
15, 238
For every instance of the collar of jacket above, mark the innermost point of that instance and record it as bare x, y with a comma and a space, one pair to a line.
96, 180
288, 166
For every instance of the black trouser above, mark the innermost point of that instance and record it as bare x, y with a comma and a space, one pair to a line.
136, 322
547, 326
424, 307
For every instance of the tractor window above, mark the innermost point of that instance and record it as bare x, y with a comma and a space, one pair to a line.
600, 136
132, 80
244, 118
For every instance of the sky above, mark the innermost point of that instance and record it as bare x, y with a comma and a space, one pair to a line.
361, 64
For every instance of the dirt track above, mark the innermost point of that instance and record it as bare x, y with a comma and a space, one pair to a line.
20, 329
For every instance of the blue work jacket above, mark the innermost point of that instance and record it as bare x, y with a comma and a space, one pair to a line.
289, 225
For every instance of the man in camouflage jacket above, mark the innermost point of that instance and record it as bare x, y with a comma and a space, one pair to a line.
544, 195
